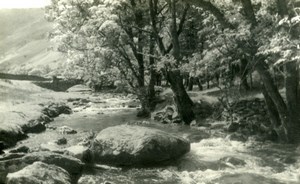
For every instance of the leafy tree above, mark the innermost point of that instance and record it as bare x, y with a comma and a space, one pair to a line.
270, 40
98, 35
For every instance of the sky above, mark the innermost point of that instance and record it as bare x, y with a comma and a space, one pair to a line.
23, 3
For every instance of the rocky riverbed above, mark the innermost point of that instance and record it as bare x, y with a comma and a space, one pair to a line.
66, 146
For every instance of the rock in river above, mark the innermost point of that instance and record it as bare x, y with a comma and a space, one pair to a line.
72, 165
127, 145
39, 172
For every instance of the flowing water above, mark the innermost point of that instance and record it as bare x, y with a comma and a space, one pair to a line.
212, 160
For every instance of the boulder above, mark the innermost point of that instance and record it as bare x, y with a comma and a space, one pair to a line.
127, 145
44, 119
68, 163
2, 147
33, 126
61, 141
79, 151
39, 172
66, 130
20, 149
11, 134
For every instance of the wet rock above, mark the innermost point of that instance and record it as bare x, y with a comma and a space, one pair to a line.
64, 109
126, 145
61, 141
66, 130
38, 173
20, 149
167, 115
9, 156
33, 126
55, 109
2, 146
70, 164
45, 119
11, 134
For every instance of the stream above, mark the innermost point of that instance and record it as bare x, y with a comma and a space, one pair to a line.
212, 160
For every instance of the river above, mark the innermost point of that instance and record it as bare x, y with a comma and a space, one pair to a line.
214, 159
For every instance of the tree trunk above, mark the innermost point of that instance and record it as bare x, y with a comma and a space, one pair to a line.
143, 96
293, 101
243, 74
153, 75
183, 102
191, 84
197, 80
273, 93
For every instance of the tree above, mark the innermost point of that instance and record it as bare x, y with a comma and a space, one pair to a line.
269, 39
98, 35
171, 62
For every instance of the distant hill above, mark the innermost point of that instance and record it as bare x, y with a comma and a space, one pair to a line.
24, 46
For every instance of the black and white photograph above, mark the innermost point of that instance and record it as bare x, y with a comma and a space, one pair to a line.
149, 91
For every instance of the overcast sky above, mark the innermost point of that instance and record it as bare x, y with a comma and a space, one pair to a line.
23, 3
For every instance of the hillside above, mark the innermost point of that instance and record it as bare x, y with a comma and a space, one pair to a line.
24, 46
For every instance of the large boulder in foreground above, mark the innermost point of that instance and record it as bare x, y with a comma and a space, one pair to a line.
128, 145
39, 172
18, 161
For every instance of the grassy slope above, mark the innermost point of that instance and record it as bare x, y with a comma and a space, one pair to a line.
24, 44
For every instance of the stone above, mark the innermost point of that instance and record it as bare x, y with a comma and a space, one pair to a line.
38, 173
11, 134
70, 164
20, 149
34, 126
61, 141
127, 145
66, 130
81, 152
73, 165
45, 119
2, 147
